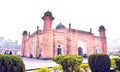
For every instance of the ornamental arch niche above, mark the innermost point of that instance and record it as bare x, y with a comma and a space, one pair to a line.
40, 50
82, 47
60, 49
97, 49
31, 49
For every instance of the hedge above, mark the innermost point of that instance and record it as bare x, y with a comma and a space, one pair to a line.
99, 63
11, 63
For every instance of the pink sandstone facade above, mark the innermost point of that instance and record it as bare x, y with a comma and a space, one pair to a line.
50, 42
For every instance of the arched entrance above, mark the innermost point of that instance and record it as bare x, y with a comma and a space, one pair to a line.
97, 49
40, 51
82, 47
80, 51
60, 49
31, 50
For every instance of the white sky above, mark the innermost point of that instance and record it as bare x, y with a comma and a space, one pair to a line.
19, 15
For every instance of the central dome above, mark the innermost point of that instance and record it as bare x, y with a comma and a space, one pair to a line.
60, 26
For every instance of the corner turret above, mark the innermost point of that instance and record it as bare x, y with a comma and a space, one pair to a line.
102, 31
47, 18
25, 35
103, 39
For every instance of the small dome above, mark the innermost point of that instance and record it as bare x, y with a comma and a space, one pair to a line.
48, 13
60, 26
25, 32
101, 27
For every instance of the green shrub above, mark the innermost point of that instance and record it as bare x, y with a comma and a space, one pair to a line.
43, 69
85, 67
77, 68
118, 64
57, 68
99, 63
11, 63
115, 63
68, 61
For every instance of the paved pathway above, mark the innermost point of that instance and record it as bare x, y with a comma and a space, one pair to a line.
31, 63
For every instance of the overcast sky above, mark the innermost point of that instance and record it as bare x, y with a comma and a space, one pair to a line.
19, 15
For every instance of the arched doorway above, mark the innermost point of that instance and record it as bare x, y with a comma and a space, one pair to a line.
97, 49
82, 47
31, 50
60, 49
40, 51
80, 51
